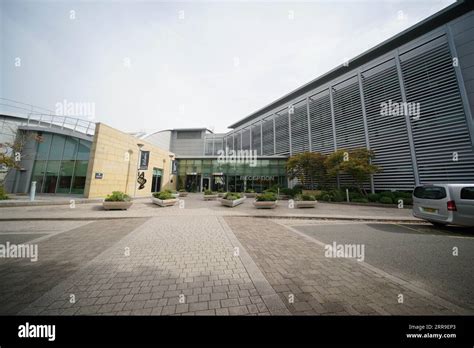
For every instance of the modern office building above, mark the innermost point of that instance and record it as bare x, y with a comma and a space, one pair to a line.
66, 155
410, 99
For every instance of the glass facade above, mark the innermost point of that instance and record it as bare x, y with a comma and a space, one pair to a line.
60, 164
200, 174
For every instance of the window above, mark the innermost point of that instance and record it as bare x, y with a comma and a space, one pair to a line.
467, 193
188, 135
430, 192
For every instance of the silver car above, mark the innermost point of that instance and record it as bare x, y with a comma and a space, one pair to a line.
443, 204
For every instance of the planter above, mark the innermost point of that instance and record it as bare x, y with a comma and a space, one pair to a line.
265, 204
175, 195
284, 197
250, 194
183, 194
117, 205
232, 203
164, 202
305, 204
210, 197
221, 194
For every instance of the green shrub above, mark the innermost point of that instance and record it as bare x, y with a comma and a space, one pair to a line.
271, 190
163, 195
221, 190
298, 189
388, 194
267, 197
302, 197
355, 195
118, 196
208, 192
386, 200
3, 194
182, 190
326, 197
232, 196
337, 196
249, 191
360, 200
373, 197
287, 192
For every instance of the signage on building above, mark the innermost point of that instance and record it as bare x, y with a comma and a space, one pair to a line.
174, 167
99, 175
260, 177
144, 159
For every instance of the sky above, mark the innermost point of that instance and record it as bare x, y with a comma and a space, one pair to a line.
154, 65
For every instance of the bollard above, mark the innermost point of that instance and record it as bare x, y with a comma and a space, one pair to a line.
32, 190
347, 195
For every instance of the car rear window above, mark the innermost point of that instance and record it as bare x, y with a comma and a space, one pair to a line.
430, 192
467, 193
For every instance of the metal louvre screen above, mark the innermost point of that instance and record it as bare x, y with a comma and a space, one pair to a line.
388, 135
246, 139
256, 139
299, 128
282, 133
237, 141
267, 129
442, 142
322, 139
348, 115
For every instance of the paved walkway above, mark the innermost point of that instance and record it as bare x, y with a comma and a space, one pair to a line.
63, 250
195, 205
310, 283
167, 266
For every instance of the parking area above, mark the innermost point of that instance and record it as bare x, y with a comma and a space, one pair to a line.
437, 259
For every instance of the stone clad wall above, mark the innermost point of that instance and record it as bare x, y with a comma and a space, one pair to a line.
109, 156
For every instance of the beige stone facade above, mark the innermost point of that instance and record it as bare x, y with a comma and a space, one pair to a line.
114, 154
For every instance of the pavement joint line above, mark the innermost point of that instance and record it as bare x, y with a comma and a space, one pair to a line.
444, 234
269, 296
52, 234
438, 300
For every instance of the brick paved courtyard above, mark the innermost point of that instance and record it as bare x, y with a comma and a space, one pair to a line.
195, 265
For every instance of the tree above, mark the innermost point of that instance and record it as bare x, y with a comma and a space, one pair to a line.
307, 167
356, 163
11, 153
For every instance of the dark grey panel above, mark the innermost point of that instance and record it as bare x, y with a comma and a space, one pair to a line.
388, 136
322, 139
441, 131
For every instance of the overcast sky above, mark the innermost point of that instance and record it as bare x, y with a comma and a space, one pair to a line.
149, 65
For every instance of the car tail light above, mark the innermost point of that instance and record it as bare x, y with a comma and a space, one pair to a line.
452, 206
